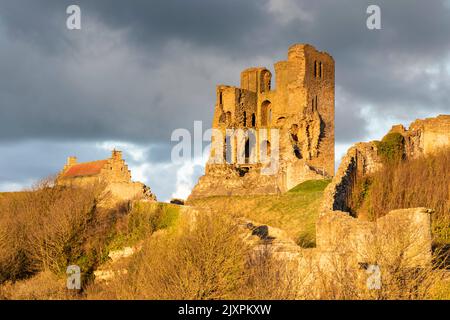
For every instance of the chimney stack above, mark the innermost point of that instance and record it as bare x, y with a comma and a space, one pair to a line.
71, 161
116, 155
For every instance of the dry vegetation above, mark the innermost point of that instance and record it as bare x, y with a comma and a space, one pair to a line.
198, 255
46, 229
202, 260
422, 182
295, 212
404, 274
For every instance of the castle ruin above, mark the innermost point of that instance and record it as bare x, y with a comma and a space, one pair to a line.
298, 113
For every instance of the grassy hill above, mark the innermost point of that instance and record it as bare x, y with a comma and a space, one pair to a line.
294, 212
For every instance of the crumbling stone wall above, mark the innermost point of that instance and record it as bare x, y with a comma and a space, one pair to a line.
405, 232
402, 233
300, 107
125, 191
360, 160
422, 137
425, 136
346, 246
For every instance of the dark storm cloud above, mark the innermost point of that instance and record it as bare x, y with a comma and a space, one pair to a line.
138, 70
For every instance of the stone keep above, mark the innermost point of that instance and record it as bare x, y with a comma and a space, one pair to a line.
300, 107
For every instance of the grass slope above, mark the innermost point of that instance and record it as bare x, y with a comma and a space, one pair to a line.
295, 212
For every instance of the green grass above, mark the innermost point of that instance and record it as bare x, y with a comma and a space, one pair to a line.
311, 186
295, 212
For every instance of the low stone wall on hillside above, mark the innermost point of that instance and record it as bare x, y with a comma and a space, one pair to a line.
423, 137
338, 233
402, 233
360, 160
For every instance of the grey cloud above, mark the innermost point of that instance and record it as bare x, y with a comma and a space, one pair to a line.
140, 69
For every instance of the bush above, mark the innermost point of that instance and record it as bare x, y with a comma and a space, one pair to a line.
143, 219
422, 182
50, 228
43, 286
203, 258
392, 147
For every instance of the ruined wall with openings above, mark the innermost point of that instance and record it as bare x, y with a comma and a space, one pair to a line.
298, 105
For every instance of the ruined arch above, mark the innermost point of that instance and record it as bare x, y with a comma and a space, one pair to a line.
222, 118
228, 149
250, 142
228, 118
266, 113
281, 120
247, 150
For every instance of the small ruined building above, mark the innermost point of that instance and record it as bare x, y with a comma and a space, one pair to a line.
338, 227
112, 172
295, 113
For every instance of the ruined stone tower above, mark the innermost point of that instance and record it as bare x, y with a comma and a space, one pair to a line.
298, 112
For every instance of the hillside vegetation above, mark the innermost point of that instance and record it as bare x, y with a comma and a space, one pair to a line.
47, 229
421, 182
295, 212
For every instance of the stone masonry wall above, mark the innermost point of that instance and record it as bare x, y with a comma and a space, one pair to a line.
299, 107
405, 232
422, 137
361, 159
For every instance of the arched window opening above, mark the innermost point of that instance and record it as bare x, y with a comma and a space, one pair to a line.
250, 143
247, 151
245, 119
253, 120
222, 118
227, 150
297, 152
266, 113
281, 120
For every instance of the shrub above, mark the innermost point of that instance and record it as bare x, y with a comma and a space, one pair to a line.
143, 219
204, 257
200, 261
421, 182
50, 228
43, 286
392, 147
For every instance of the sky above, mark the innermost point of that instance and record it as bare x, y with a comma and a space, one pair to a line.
138, 70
